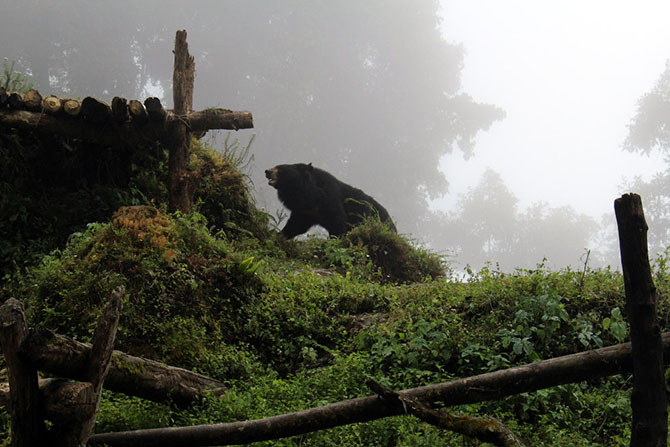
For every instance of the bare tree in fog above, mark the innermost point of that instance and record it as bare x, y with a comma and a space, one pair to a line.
650, 131
488, 227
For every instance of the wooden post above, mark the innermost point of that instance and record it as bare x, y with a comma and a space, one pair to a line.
179, 182
75, 431
649, 402
28, 427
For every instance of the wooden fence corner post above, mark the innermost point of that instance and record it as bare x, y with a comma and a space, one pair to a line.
183, 79
649, 402
28, 428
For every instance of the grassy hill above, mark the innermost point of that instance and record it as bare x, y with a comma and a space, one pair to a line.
290, 325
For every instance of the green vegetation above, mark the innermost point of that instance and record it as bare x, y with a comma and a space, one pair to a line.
13, 81
290, 325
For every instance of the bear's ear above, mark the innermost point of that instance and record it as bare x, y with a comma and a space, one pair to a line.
309, 165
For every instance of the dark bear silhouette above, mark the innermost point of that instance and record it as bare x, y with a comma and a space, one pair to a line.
316, 197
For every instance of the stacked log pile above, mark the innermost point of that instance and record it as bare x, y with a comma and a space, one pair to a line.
95, 120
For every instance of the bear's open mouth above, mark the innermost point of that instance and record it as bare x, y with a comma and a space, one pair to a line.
271, 174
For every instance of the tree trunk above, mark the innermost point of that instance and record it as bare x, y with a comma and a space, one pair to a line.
135, 376
179, 181
219, 119
649, 402
120, 109
490, 386
71, 106
52, 104
95, 111
33, 100
155, 109
28, 429
137, 112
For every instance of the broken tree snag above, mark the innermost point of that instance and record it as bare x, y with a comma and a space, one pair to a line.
134, 376
28, 427
485, 429
52, 104
179, 180
33, 100
120, 109
183, 78
649, 402
71, 107
155, 109
490, 386
219, 119
137, 112
95, 111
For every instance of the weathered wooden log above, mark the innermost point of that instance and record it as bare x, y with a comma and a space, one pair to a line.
180, 183
120, 109
52, 104
490, 386
67, 402
137, 112
15, 101
62, 400
485, 429
135, 376
648, 400
155, 109
4, 96
95, 111
219, 119
71, 107
28, 427
33, 100
123, 133
99, 358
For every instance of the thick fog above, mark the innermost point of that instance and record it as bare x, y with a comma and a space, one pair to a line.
489, 134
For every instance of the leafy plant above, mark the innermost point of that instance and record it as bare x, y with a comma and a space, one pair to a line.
13, 81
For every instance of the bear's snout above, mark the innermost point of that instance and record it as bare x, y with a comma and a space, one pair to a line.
271, 175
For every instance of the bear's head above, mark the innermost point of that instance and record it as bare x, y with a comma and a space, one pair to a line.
295, 185
293, 176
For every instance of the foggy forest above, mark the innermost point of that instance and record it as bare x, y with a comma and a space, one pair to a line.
354, 223
337, 85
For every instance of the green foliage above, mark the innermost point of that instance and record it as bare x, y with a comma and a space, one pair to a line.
373, 251
290, 325
395, 257
222, 190
13, 81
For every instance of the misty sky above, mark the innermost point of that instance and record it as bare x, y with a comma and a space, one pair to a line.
568, 74
337, 84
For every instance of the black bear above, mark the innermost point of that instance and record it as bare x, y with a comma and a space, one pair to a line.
316, 197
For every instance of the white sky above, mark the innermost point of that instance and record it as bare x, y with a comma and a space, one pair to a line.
569, 74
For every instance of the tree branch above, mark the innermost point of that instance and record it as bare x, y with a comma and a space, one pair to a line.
485, 429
